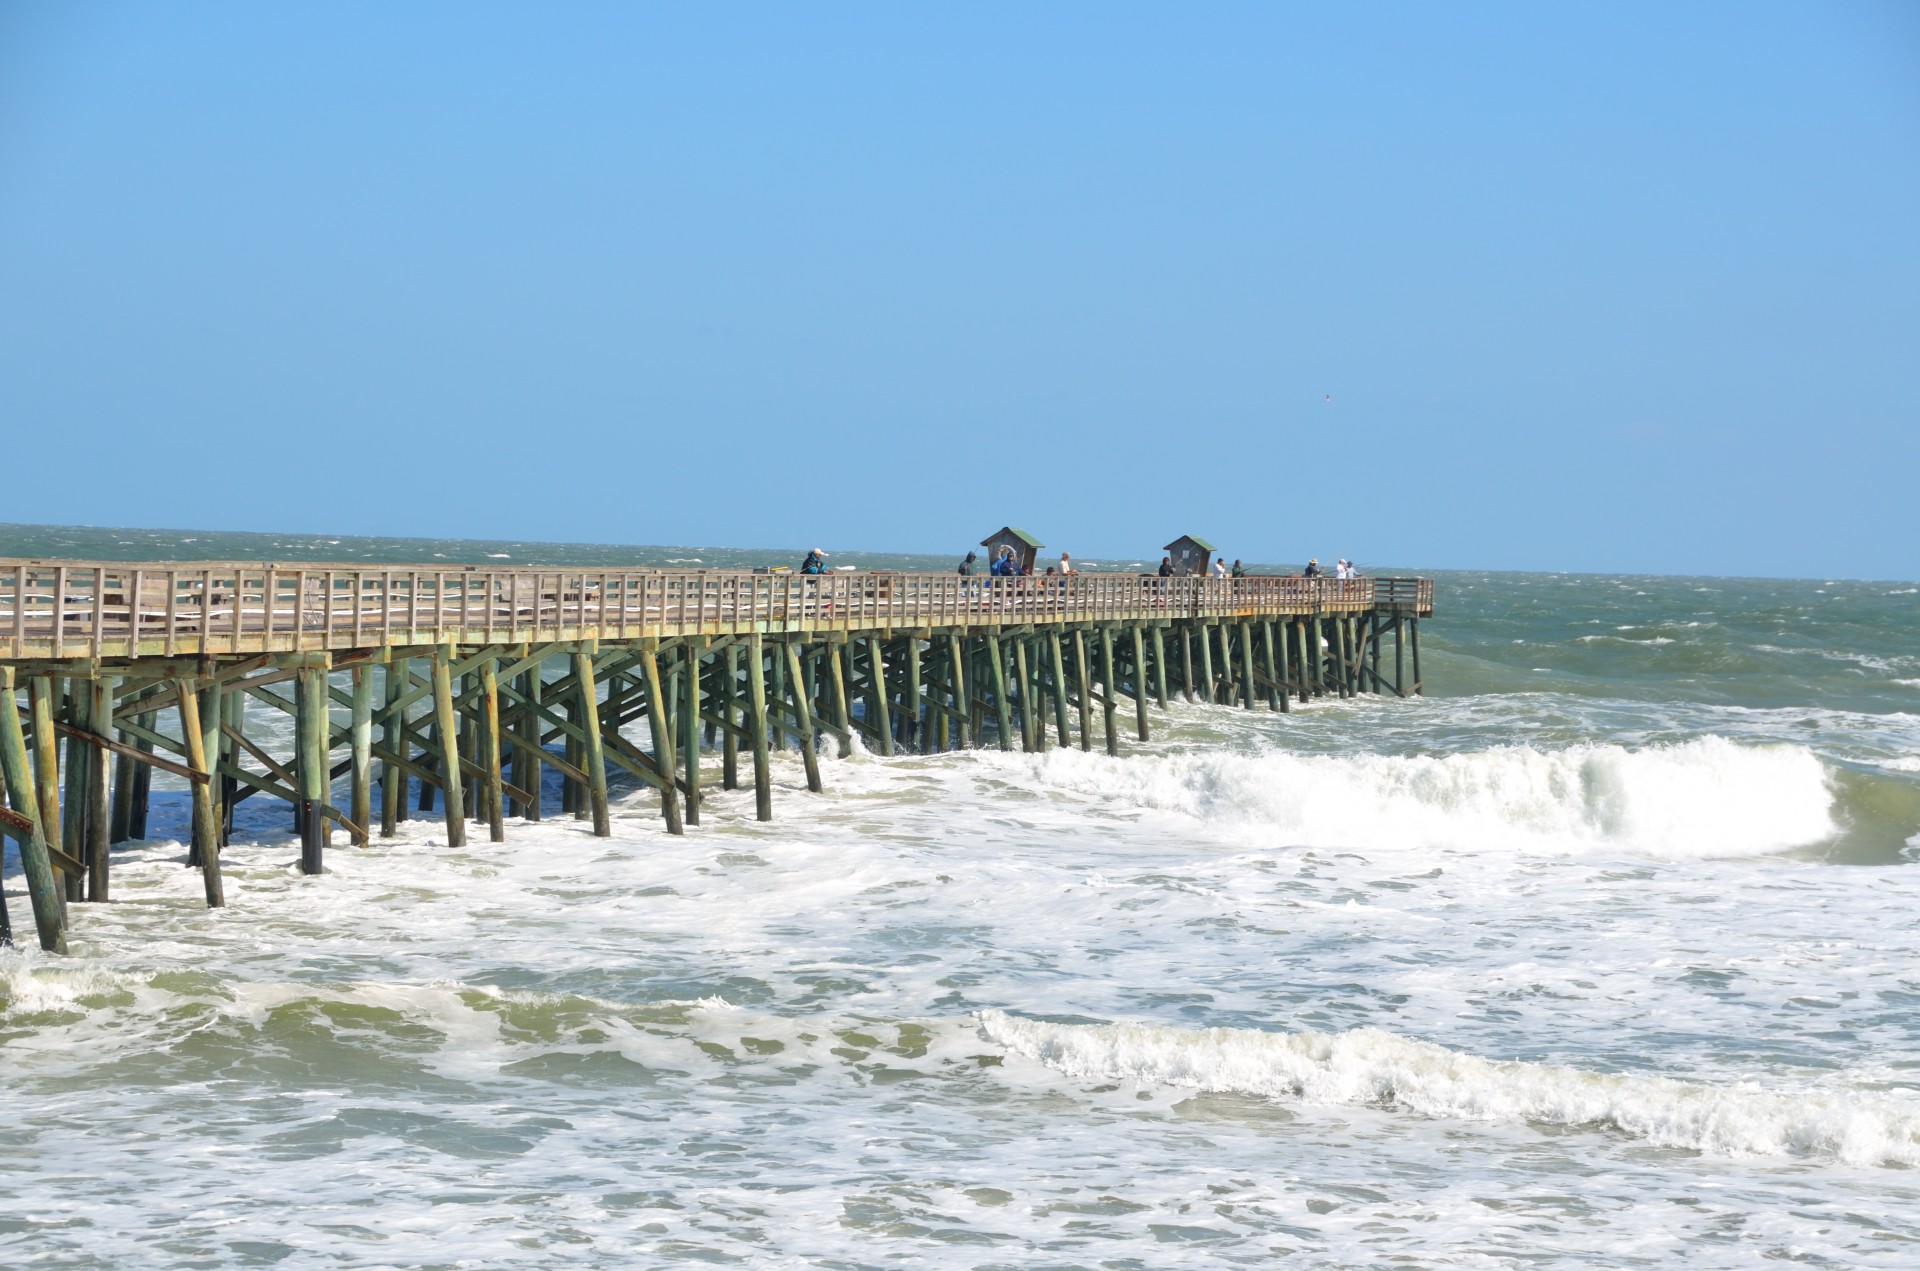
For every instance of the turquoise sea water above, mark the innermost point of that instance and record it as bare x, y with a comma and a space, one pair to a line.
1605, 953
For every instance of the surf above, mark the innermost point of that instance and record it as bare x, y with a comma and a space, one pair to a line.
1374, 1067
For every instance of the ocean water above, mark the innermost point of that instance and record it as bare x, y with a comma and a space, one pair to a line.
1606, 953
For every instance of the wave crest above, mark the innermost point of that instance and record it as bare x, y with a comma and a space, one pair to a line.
1694, 799
1373, 1067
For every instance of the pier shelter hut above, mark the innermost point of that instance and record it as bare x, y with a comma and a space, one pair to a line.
1025, 546
1190, 554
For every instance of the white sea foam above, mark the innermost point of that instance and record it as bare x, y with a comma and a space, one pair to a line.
1698, 799
1372, 1066
1591, 639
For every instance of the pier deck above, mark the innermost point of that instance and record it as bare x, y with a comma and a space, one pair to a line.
485, 678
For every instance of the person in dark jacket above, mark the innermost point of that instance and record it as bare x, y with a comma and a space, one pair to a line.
1313, 568
1004, 565
1166, 566
816, 562
966, 566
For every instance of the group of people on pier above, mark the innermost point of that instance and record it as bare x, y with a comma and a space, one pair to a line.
1342, 568
1007, 565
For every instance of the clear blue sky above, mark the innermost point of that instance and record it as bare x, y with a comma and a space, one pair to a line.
1602, 286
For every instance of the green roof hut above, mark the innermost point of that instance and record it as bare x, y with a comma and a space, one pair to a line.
1190, 554
1025, 546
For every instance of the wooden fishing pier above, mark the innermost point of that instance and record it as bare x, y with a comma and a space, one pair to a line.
461, 686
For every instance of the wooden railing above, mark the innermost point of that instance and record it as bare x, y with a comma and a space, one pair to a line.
81, 609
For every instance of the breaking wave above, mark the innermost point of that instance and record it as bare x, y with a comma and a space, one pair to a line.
1695, 799
1368, 1066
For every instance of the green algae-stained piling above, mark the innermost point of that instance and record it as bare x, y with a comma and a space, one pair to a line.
145, 666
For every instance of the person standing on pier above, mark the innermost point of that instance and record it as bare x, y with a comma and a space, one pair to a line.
1313, 568
1239, 570
1219, 567
966, 566
816, 562
1066, 564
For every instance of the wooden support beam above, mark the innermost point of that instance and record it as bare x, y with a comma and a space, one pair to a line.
1246, 663
1343, 652
73, 800
1276, 688
963, 727
727, 677
46, 771
495, 799
689, 721
1057, 671
1139, 679
206, 824
44, 891
757, 714
1160, 666
132, 753
1186, 660
662, 740
803, 717
1206, 665
877, 695
1023, 683
842, 715
586, 693
100, 717
1086, 689
446, 742
267, 761
393, 778
1413, 633
360, 783
915, 732
1106, 685
261, 785
1399, 656
142, 787
312, 726
212, 703
122, 797
1374, 620
997, 668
